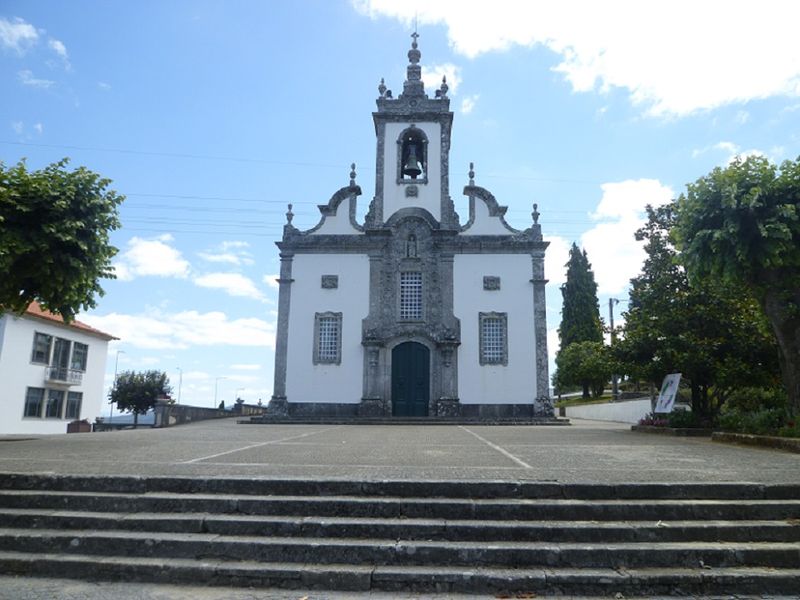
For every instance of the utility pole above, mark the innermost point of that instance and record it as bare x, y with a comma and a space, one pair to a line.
614, 377
111, 404
180, 383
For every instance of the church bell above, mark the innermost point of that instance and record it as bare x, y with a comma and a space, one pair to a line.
411, 168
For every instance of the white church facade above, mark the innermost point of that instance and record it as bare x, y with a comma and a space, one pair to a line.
412, 313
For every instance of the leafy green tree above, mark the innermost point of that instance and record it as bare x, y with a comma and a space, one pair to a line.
54, 237
585, 364
580, 311
707, 329
741, 223
138, 392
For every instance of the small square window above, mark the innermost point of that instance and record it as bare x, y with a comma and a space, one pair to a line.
493, 343
411, 296
327, 338
34, 398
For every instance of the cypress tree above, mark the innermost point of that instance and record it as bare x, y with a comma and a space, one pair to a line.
580, 311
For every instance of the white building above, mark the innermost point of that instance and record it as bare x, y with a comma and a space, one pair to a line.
51, 373
412, 313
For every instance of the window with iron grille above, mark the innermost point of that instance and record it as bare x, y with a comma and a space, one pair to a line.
493, 331
411, 296
327, 338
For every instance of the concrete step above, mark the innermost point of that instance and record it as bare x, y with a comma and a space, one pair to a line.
403, 552
407, 529
400, 488
413, 508
547, 581
394, 421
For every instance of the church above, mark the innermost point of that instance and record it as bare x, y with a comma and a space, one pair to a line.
412, 313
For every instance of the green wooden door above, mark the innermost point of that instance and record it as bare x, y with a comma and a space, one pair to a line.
410, 380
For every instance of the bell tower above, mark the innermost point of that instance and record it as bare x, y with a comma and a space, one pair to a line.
413, 136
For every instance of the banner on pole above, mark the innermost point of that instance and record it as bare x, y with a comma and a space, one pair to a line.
669, 391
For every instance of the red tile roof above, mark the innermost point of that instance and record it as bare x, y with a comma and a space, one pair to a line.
36, 311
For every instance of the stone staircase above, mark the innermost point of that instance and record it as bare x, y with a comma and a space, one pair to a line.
459, 537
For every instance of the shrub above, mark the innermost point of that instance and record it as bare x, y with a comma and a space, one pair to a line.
683, 419
767, 421
654, 420
753, 399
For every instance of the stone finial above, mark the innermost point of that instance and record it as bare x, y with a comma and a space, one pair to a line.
352, 174
471, 173
289, 215
444, 87
382, 88
535, 214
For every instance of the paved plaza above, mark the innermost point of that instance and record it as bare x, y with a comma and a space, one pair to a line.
586, 451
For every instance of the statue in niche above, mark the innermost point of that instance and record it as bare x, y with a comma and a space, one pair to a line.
411, 246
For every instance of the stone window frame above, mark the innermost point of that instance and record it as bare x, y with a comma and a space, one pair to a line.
418, 131
318, 359
502, 317
421, 314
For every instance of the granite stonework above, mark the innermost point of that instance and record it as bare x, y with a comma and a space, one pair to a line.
413, 240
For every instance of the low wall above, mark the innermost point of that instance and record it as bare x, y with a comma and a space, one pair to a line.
168, 414
628, 411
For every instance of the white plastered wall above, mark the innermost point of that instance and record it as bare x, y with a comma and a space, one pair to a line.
17, 373
305, 381
514, 383
338, 224
429, 194
484, 224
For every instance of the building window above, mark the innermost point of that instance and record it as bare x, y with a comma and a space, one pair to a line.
41, 348
79, 354
493, 344
55, 404
74, 401
33, 402
411, 296
327, 338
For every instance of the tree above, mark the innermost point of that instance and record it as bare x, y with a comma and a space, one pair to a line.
586, 364
138, 392
705, 328
580, 312
741, 223
54, 237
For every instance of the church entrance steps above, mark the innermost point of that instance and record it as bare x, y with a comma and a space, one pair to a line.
425, 536
332, 420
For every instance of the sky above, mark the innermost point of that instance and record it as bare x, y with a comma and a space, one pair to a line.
211, 116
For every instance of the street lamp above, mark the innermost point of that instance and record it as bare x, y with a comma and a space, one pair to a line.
180, 382
111, 404
216, 381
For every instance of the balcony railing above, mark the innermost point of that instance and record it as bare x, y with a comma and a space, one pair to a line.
63, 375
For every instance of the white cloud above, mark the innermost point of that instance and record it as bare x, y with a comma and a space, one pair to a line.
26, 78
742, 117
432, 77
104, 86
18, 127
229, 252
39, 128
555, 259
734, 151
17, 35
272, 280
468, 103
615, 255
60, 49
156, 330
151, 257
246, 367
674, 58
233, 284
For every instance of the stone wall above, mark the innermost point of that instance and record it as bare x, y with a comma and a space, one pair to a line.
168, 414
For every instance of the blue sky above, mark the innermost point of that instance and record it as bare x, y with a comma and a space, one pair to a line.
211, 116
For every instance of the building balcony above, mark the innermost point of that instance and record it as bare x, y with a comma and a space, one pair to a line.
63, 375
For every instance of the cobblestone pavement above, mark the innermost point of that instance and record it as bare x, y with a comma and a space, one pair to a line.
13, 588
